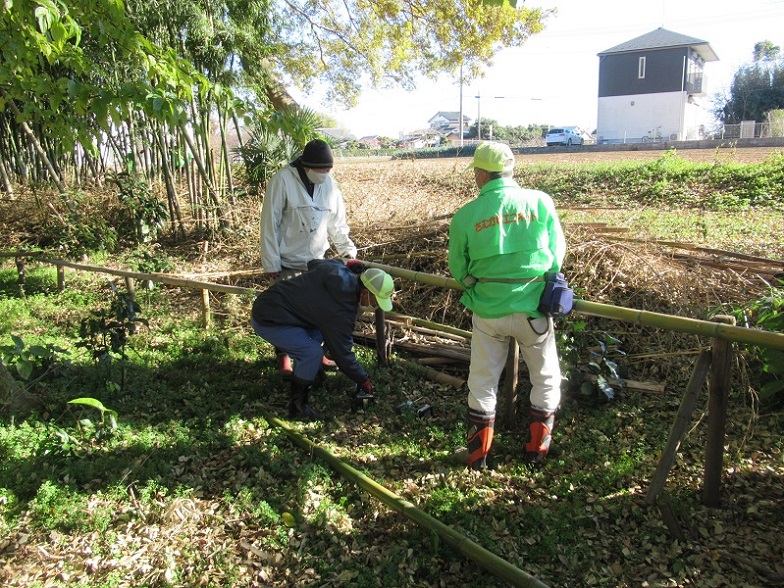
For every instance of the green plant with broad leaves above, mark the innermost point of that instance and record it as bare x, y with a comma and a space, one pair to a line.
143, 215
577, 347
766, 313
28, 361
105, 333
108, 416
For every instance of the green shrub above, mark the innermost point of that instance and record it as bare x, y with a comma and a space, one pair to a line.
766, 313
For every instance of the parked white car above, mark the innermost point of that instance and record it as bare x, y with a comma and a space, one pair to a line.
564, 136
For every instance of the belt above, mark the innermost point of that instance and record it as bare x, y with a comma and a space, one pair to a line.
512, 280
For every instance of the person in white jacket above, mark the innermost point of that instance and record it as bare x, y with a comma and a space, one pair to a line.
302, 211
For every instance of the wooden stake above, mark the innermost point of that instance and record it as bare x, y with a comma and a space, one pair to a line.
205, 309
20, 269
381, 339
510, 383
685, 411
130, 285
721, 369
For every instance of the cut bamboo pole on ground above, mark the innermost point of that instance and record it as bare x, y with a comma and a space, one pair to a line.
434, 375
495, 565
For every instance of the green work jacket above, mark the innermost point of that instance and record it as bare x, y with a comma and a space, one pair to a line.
505, 233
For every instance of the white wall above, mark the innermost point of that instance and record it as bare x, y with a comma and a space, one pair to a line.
626, 119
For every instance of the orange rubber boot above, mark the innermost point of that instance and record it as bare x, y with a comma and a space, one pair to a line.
540, 435
481, 426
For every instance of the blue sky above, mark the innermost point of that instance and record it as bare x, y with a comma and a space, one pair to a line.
553, 79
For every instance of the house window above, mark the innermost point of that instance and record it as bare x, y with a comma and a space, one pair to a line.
641, 68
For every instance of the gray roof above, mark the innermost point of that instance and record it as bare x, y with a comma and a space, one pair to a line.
663, 39
337, 134
450, 116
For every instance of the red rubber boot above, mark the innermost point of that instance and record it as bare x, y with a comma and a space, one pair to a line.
481, 426
284, 366
540, 435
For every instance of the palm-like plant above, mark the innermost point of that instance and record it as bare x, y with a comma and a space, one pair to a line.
274, 140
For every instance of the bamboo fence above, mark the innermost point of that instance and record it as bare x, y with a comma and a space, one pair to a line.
721, 329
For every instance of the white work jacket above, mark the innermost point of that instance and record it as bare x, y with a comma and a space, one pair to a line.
296, 228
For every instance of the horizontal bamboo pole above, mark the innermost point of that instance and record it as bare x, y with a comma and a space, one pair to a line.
420, 277
682, 324
162, 278
406, 319
497, 566
9, 254
641, 317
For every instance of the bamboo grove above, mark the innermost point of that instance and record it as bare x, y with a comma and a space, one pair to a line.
90, 88
161, 89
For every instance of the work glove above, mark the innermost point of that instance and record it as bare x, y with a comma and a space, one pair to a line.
365, 389
364, 396
356, 267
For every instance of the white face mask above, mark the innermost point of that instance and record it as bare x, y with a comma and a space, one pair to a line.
316, 177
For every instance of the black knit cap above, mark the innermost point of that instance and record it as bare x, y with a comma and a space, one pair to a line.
317, 154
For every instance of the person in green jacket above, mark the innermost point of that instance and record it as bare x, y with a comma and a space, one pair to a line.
500, 246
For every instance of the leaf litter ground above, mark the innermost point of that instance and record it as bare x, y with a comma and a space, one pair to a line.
581, 521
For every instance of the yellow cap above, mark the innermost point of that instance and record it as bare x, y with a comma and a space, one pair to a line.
380, 285
493, 157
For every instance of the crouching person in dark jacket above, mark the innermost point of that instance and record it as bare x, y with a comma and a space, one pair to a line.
320, 305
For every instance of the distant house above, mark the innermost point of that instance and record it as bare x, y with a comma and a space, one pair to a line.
370, 142
420, 138
649, 88
447, 121
453, 137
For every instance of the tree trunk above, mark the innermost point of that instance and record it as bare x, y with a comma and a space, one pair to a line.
276, 92
205, 178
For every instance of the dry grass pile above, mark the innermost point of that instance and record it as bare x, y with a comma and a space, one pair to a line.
642, 276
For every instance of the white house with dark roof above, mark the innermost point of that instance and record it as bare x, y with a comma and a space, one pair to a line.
649, 88
448, 121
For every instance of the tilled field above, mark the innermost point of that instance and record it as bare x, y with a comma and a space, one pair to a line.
586, 155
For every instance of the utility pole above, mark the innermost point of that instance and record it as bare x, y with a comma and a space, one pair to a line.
460, 127
478, 117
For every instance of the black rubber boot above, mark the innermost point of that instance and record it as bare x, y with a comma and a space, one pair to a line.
299, 408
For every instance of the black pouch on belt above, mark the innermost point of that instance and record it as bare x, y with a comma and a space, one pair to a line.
558, 298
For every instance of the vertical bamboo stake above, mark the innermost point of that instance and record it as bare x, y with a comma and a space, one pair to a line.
131, 287
510, 383
60, 278
205, 309
721, 367
20, 269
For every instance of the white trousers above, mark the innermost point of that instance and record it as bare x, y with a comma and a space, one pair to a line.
489, 350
